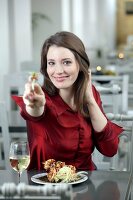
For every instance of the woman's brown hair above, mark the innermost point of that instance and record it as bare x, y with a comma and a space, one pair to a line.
74, 44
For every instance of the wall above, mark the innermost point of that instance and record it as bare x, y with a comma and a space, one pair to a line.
93, 21
45, 27
15, 37
4, 43
124, 22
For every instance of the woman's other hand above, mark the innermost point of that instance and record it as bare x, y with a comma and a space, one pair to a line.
89, 93
98, 119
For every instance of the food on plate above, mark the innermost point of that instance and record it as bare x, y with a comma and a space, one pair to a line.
58, 171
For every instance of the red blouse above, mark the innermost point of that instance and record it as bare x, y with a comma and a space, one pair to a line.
65, 135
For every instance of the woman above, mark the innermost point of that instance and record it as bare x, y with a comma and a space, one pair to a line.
65, 119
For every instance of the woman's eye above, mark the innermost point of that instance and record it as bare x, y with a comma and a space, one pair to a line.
67, 62
51, 63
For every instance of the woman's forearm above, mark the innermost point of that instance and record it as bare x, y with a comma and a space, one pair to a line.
98, 119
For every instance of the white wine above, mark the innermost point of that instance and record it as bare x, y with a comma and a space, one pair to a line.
20, 163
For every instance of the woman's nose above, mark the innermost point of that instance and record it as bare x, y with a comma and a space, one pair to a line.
59, 69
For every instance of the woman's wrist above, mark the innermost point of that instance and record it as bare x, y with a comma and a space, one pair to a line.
91, 101
35, 111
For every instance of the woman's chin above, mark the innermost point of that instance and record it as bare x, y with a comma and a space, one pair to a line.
62, 85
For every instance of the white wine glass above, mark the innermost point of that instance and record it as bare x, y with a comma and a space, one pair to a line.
19, 156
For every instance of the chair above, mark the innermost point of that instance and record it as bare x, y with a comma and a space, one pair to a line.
14, 84
17, 126
10, 125
123, 160
127, 69
113, 91
4, 137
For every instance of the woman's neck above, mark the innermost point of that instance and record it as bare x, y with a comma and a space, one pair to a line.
68, 98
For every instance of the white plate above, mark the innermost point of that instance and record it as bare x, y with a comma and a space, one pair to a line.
36, 179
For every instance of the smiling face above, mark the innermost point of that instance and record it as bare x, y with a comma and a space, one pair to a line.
62, 67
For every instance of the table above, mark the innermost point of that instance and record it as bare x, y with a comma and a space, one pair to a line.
101, 185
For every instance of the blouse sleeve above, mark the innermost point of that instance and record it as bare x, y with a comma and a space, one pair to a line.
19, 101
107, 140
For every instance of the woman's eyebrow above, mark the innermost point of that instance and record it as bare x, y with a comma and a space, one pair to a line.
66, 59
50, 59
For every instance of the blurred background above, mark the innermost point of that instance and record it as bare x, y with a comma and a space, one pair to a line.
105, 27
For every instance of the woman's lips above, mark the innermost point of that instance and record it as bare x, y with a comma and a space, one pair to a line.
61, 79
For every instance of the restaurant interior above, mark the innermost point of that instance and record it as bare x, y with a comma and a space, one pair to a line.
106, 29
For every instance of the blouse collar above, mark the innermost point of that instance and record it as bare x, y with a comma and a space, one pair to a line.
60, 106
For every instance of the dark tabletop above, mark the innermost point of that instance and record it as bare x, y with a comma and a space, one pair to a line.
101, 185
